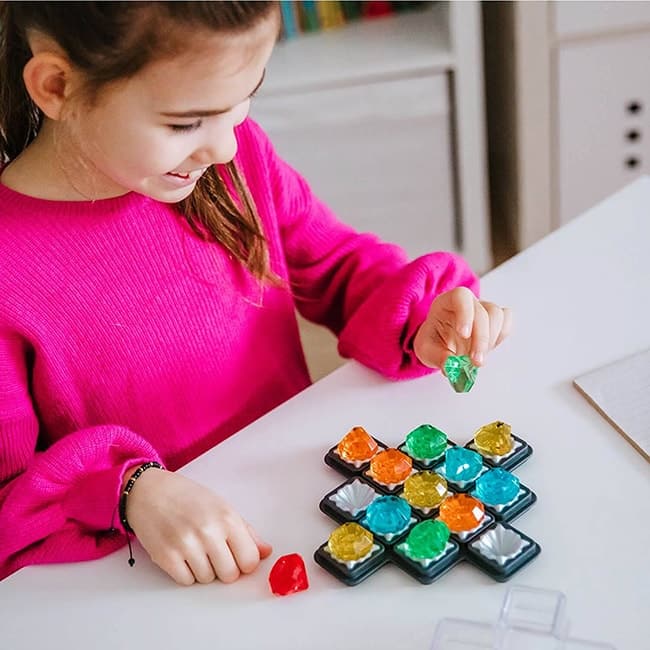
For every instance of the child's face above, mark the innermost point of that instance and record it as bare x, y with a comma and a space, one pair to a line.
157, 132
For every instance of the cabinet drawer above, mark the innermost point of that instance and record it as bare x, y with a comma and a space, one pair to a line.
378, 154
598, 17
603, 120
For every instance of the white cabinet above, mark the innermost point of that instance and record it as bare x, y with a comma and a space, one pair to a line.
569, 85
603, 125
385, 119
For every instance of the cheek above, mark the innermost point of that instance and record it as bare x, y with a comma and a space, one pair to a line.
241, 112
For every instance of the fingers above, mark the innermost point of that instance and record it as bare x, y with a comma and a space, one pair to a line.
480, 335
463, 306
175, 566
506, 326
264, 548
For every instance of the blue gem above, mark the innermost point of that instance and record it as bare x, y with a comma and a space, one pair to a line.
387, 515
462, 464
497, 487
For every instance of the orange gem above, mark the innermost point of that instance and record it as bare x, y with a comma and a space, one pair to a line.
461, 512
391, 467
357, 445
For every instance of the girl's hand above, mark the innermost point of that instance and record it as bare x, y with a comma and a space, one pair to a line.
190, 532
458, 323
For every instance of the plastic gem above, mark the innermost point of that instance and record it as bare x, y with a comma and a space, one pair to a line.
288, 575
462, 512
357, 445
426, 442
425, 489
350, 542
494, 439
388, 515
462, 464
427, 539
460, 372
354, 497
500, 544
390, 466
497, 487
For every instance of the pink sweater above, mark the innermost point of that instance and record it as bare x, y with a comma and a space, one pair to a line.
123, 338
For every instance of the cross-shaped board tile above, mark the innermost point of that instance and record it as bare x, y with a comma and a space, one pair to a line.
427, 505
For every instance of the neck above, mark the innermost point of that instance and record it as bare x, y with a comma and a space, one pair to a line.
51, 168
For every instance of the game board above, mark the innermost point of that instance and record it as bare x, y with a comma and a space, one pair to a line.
427, 505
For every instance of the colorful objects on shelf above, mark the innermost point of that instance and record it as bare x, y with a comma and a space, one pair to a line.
357, 446
288, 575
390, 467
461, 512
494, 439
426, 442
425, 489
350, 542
460, 372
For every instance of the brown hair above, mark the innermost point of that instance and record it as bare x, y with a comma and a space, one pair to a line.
108, 41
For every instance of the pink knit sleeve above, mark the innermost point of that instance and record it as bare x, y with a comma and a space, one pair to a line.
364, 290
57, 505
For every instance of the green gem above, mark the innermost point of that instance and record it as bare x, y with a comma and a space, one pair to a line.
427, 539
426, 442
461, 373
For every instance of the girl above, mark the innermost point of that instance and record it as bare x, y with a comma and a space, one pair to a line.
153, 251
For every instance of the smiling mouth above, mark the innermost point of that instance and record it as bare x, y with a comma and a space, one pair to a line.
179, 175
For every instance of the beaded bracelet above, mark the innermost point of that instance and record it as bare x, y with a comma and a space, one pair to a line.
127, 488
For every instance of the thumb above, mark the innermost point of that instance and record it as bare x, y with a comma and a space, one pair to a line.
264, 548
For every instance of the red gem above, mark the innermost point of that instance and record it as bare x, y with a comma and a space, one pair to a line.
288, 575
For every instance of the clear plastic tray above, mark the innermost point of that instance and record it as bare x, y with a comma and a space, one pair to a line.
530, 619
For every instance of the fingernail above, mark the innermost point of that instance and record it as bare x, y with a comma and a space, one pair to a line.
478, 357
465, 331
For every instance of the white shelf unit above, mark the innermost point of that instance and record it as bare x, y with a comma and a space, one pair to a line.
385, 119
568, 106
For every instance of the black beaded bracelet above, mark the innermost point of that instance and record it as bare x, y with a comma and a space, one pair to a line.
127, 488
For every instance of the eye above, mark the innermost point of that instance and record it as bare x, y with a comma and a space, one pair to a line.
185, 128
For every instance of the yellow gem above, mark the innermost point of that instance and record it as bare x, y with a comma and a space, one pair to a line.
494, 439
425, 489
350, 542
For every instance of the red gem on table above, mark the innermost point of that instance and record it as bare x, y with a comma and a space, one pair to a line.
288, 575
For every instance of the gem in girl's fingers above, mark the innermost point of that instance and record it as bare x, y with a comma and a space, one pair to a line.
461, 373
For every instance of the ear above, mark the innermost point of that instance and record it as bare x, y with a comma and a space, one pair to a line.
48, 79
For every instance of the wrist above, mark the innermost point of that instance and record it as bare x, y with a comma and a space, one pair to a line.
130, 478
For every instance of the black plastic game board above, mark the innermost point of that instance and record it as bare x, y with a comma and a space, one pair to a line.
475, 546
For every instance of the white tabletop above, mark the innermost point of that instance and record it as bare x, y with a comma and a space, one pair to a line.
580, 299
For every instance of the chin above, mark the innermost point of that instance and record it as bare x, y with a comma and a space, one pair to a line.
169, 196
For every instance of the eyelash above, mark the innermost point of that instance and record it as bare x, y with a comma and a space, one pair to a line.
186, 128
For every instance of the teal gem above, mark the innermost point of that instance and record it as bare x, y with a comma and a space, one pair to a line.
462, 464
426, 442
497, 487
387, 515
461, 373
427, 539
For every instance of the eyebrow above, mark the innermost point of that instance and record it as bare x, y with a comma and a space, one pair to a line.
209, 113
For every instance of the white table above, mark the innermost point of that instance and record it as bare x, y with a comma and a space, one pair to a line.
581, 300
